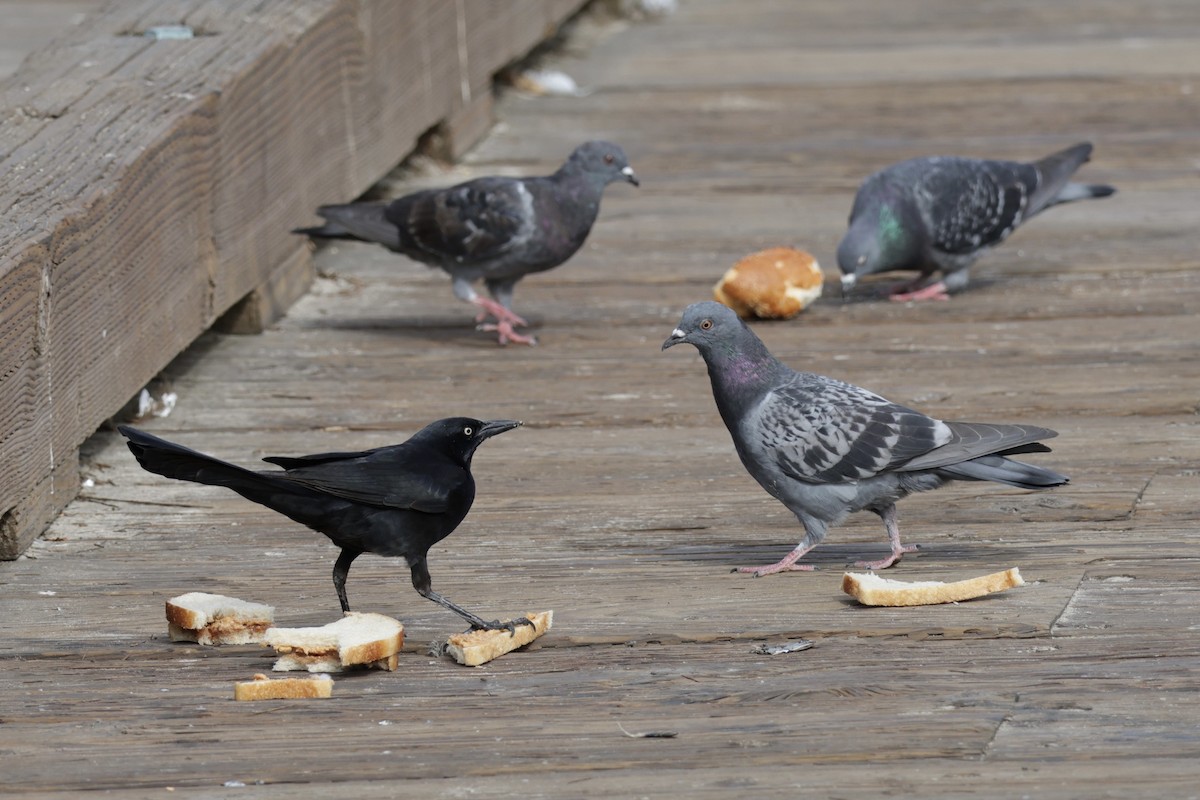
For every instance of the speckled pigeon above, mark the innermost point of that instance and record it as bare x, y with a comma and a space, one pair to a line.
825, 448
494, 228
939, 214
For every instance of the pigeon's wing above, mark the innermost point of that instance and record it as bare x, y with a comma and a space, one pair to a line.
974, 439
388, 477
472, 223
971, 204
833, 432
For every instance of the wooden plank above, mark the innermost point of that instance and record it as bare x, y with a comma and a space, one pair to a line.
621, 503
151, 185
30, 24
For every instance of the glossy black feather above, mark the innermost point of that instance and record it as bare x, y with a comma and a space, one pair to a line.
397, 500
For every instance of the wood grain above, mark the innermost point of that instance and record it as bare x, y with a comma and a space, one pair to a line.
621, 504
149, 186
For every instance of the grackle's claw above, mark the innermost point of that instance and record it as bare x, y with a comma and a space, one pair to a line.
497, 625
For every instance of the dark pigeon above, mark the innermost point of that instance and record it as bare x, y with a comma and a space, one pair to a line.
392, 501
825, 448
939, 214
497, 229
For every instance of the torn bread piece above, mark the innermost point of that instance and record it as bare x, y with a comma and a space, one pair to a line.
479, 647
355, 640
777, 283
264, 688
214, 619
872, 590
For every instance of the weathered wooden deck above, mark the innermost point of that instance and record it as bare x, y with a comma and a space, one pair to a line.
622, 506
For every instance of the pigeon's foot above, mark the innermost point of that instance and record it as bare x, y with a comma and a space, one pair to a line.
771, 569
493, 309
505, 333
934, 291
503, 326
788, 562
884, 563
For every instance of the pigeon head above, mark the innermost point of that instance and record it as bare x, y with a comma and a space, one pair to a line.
459, 437
602, 162
710, 327
880, 239
722, 339
739, 364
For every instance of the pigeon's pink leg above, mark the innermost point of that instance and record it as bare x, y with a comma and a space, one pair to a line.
934, 291
898, 550
506, 333
492, 308
505, 320
786, 564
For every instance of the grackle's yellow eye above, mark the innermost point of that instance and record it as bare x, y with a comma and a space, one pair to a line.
468, 430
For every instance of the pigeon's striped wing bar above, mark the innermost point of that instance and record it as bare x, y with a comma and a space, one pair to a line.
825, 431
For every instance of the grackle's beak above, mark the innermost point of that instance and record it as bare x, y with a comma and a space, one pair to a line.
497, 426
629, 176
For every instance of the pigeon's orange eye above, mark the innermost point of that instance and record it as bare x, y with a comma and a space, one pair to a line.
608, 158
706, 324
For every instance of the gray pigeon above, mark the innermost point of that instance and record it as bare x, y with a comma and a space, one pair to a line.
938, 214
494, 228
825, 448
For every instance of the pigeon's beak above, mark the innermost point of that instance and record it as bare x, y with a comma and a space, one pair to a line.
498, 426
675, 338
629, 176
848, 282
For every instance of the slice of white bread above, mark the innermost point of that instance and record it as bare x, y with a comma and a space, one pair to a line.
263, 688
479, 647
214, 619
368, 640
872, 590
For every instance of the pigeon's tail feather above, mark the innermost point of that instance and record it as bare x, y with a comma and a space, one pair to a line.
1083, 191
327, 231
974, 439
362, 221
999, 469
1055, 171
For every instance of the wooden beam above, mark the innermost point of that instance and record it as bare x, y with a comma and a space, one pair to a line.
149, 186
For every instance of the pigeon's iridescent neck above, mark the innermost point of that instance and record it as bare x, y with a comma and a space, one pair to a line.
739, 371
743, 369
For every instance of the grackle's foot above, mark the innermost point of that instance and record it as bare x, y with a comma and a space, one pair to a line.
497, 625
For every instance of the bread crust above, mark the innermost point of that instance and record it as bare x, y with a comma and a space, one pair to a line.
227, 620
355, 640
264, 688
777, 283
474, 648
872, 590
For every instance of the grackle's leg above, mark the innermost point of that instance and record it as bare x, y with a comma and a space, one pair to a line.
424, 586
341, 569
